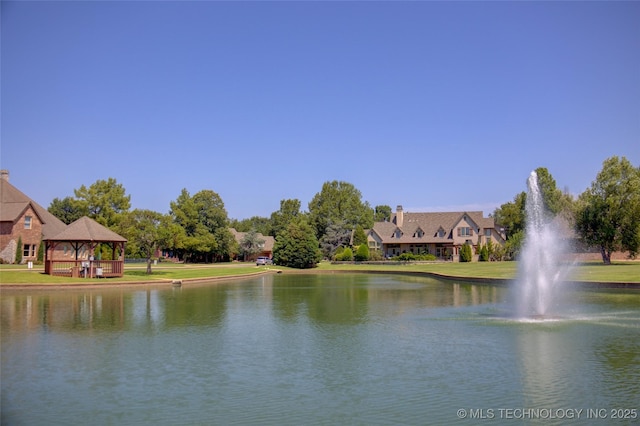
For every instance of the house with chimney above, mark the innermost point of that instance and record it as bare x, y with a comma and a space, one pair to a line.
441, 234
22, 219
68, 250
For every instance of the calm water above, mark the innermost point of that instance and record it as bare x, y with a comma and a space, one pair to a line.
316, 349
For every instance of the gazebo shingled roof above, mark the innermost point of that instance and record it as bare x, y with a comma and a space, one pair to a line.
85, 232
87, 229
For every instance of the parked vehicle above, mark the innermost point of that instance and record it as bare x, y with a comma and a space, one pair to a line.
262, 260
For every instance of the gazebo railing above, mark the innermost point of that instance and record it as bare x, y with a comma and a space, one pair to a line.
85, 268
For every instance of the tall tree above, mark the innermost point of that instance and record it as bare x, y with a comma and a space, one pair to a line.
68, 209
336, 235
205, 223
610, 214
552, 197
297, 246
142, 230
382, 213
105, 201
359, 236
289, 210
257, 223
339, 201
511, 216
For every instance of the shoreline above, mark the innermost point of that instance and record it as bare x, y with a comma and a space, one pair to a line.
501, 282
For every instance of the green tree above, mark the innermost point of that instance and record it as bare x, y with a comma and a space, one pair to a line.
289, 211
105, 201
466, 254
382, 213
552, 197
511, 216
41, 252
336, 235
68, 209
484, 254
610, 214
19, 249
203, 218
513, 246
251, 244
359, 236
337, 202
257, 223
141, 228
297, 246
362, 253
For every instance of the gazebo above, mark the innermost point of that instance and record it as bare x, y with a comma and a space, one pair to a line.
71, 252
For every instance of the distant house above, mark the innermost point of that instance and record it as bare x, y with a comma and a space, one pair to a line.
267, 247
23, 218
440, 233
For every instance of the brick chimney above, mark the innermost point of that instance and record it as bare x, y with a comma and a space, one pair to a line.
4, 174
399, 216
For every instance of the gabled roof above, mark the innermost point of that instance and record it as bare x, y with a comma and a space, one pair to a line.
430, 224
87, 229
14, 202
269, 241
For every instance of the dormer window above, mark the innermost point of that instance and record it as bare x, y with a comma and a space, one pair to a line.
397, 234
418, 234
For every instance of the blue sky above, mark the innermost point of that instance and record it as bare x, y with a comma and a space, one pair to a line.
431, 105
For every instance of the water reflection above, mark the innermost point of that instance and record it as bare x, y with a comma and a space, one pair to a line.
351, 300
308, 349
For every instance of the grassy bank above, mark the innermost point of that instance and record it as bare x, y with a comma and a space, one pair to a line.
628, 272
591, 272
10, 274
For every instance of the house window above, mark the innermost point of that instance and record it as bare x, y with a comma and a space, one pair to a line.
441, 233
464, 231
27, 222
29, 250
487, 233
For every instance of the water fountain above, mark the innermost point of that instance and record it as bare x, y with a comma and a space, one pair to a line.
541, 269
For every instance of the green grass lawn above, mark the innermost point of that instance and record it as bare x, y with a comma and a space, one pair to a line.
594, 272
14, 274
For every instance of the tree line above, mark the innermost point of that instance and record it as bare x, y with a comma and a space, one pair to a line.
606, 216
197, 227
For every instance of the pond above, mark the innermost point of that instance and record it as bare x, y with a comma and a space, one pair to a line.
316, 349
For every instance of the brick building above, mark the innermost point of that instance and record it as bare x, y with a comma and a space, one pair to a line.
22, 218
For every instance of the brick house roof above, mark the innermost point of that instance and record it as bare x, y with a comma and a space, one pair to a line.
13, 203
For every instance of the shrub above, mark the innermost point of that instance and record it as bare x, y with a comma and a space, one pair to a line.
408, 257
19, 251
375, 255
362, 254
484, 254
41, 252
346, 255
466, 255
